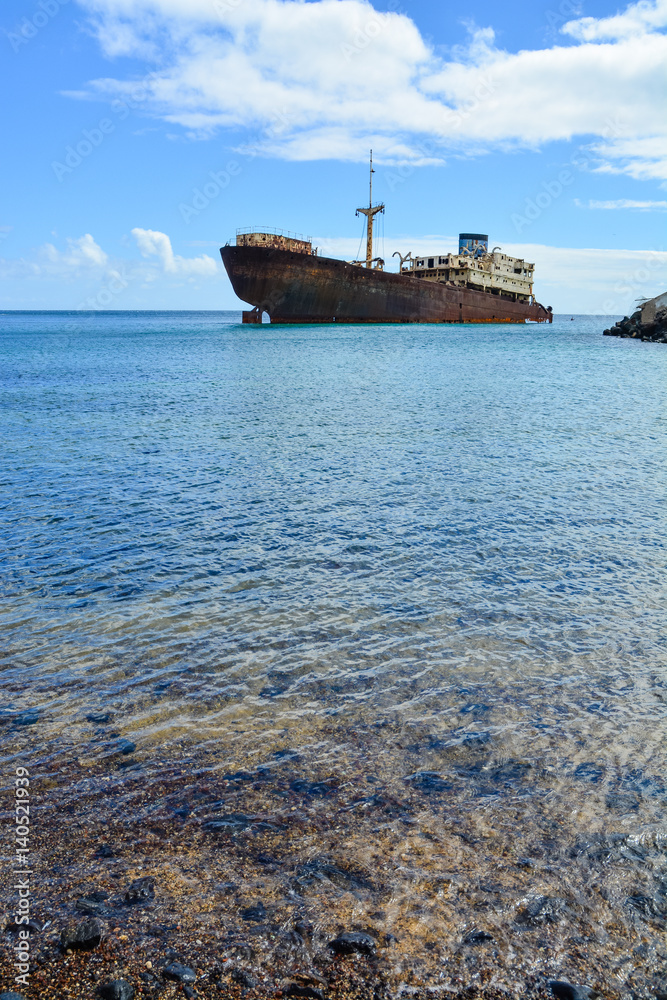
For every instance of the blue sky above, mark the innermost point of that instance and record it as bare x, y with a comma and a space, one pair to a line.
139, 134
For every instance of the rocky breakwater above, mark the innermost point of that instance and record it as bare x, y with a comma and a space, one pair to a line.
647, 323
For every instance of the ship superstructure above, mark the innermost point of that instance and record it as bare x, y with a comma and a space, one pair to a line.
475, 267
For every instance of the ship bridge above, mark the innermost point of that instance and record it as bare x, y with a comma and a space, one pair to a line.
474, 266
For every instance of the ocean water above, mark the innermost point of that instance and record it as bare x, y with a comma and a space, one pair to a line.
409, 580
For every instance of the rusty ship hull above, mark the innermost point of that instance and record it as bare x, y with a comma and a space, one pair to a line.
302, 288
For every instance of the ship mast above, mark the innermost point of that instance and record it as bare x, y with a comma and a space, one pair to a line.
370, 213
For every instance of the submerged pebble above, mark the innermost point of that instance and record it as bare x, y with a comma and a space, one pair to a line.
353, 941
179, 973
296, 990
117, 989
568, 991
142, 890
83, 936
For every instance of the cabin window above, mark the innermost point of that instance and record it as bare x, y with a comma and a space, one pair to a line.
430, 262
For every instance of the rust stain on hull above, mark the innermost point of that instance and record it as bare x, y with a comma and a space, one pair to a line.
300, 288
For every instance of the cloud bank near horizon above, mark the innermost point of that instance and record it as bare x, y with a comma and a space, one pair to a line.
589, 280
326, 78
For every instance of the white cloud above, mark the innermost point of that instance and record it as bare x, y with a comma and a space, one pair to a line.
620, 203
84, 260
591, 280
155, 244
82, 256
643, 158
328, 78
81, 253
637, 19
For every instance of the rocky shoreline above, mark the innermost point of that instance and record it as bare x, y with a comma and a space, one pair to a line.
648, 323
452, 868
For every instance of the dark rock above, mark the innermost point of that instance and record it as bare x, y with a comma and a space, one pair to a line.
33, 927
99, 717
589, 772
226, 888
142, 890
322, 869
477, 937
353, 941
314, 789
10, 995
428, 781
83, 936
188, 992
117, 989
567, 991
96, 895
243, 978
104, 851
648, 323
255, 913
91, 907
126, 746
242, 949
543, 910
179, 973
622, 802
295, 990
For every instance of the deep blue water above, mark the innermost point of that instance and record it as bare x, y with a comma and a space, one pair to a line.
206, 523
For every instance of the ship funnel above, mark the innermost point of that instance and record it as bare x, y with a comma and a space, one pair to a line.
473, 242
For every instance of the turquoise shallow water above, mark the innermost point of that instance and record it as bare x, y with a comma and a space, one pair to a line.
195, 513
402, 585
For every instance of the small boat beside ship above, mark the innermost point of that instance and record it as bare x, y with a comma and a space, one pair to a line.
285, 277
